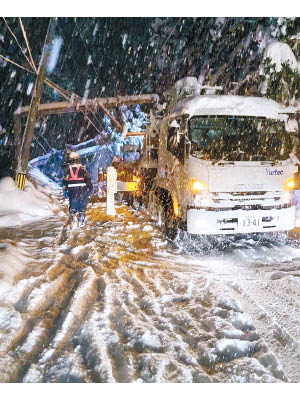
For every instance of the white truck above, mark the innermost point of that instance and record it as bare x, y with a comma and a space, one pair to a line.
220, 164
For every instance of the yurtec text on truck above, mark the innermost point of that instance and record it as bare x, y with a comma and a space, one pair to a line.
220, 164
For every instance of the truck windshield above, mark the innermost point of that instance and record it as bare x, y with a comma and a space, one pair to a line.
237, 138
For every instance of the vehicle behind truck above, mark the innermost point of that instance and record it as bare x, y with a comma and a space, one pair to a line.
220, 164
128, 181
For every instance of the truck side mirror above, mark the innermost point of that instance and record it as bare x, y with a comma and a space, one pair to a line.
187, 147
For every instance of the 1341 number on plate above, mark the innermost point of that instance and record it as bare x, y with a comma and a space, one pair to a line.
250, 222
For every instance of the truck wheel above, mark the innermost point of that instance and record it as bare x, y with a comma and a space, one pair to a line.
161, 217
136, 204
128, 198
171, 223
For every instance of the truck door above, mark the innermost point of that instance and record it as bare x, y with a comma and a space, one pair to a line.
175, 164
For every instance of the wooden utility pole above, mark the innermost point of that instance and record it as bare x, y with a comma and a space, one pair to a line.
23, 152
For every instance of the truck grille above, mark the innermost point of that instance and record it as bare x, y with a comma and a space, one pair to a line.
249, 207
243, 194
248, 201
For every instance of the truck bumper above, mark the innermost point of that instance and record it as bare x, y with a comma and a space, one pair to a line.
127, 186
203, 222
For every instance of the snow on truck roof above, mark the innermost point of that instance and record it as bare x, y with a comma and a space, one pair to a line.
231, 105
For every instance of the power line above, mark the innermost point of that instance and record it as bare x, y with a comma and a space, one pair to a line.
14, 36
27, 44
64, 92
173, 30
16, 64
96, 73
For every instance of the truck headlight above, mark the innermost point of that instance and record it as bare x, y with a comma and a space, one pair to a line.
176, 209
198, 186
290, 184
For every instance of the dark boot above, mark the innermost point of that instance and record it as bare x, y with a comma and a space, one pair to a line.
74, 221
81, 219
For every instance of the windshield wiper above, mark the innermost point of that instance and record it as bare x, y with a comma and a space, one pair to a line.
270, 162
222, 162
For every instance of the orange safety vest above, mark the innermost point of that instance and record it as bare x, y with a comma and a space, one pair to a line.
75, 178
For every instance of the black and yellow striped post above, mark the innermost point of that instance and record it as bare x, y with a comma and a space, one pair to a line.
21, 179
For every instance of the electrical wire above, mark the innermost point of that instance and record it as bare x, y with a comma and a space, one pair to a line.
168, 38
78, 98
27, 44
18, 65
14, 36
173, 30
96, 73
36, 139
65, 93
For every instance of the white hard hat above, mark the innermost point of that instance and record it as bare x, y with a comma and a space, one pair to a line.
74, 156
174, 124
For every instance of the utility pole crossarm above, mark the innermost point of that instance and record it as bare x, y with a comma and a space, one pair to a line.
85, 105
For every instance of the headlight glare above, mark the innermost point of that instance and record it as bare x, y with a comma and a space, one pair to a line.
198, 186
290, 184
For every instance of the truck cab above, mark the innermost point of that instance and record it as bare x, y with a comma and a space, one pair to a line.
225, 163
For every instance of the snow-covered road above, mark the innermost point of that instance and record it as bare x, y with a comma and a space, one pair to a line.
117, 302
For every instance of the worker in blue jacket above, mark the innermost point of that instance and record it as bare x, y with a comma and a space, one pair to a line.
77, 187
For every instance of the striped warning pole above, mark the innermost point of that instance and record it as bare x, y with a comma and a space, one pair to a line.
21, 178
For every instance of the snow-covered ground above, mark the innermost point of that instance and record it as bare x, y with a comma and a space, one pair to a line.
117, 302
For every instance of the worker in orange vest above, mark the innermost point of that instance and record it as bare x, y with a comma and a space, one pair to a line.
77, 187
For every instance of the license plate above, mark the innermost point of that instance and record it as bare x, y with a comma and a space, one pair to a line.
249, 222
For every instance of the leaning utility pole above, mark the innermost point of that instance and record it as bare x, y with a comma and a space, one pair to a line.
23, 152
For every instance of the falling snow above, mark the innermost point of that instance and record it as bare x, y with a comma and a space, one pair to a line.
119, 301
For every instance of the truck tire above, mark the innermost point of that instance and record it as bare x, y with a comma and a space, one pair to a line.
127, 196
171, 225
136, 204
161, 216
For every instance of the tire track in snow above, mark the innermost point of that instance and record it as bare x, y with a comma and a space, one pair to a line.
123, 305
266, 305
97, 334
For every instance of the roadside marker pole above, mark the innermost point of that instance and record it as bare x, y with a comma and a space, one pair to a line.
21, 179
111, 189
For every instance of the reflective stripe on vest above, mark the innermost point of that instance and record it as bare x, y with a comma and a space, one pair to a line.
76, 184
74, 176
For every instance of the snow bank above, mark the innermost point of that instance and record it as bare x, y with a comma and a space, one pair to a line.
38, 175
12, 261
19, 207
